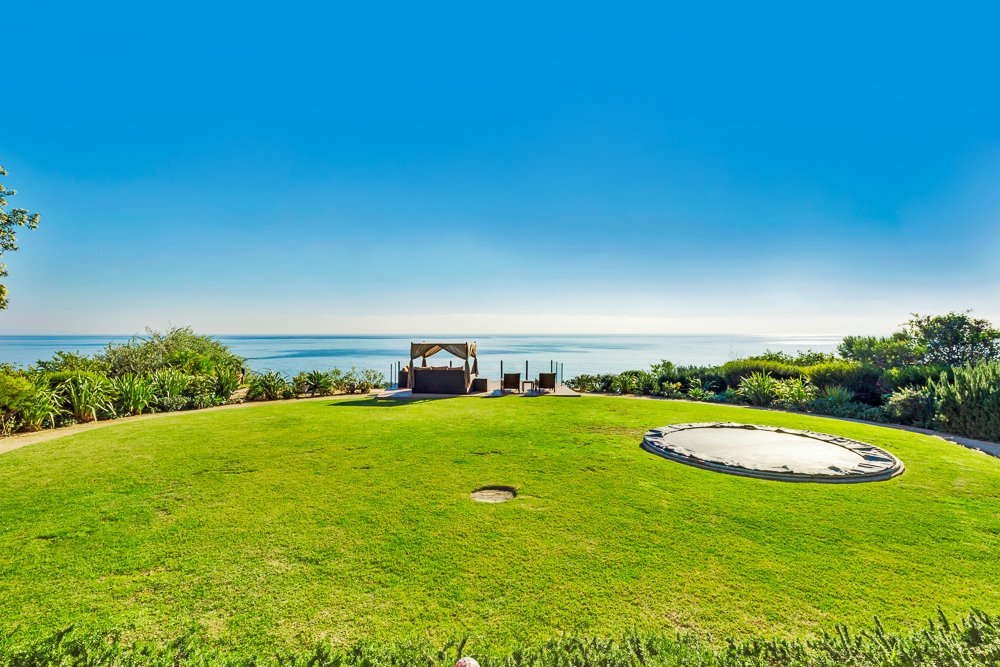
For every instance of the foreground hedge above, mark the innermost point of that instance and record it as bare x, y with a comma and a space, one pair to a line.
974, 640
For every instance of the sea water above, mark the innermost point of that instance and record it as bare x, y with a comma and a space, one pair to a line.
576, 354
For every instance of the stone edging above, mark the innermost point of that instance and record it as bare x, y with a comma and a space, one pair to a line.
878, 463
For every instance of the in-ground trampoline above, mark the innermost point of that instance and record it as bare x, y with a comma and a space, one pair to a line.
770, 452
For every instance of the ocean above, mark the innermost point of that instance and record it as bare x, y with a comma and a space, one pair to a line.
577, 354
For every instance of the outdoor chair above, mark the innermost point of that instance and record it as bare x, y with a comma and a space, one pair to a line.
546, 382
511, 381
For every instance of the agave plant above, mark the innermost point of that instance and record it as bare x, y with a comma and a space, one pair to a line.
86, 397
314, 383
268, 387
133, 393
696, 393
758, 388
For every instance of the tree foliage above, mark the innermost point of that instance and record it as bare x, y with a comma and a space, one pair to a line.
955, 339
10, 221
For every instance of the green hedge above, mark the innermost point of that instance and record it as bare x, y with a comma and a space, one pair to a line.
861, 380
734, 372
975, 640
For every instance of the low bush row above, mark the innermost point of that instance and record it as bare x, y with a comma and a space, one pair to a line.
972, 641
176, 370
964, 400
938, 372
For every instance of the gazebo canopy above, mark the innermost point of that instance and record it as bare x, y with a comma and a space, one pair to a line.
466, 351
460, 350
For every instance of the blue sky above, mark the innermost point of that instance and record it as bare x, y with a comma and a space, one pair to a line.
582, 168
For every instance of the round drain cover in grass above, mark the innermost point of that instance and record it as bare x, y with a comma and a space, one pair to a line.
770, 452
494, 494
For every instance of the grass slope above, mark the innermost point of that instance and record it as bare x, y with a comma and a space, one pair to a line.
275, 525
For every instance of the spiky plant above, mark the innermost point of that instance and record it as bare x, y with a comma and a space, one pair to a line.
314, 383
795, 393
758, 388
836, 394
170, 383
133, 393
269, 386
227, 380
41, 408
86, 397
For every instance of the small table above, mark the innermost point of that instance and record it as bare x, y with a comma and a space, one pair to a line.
530, 383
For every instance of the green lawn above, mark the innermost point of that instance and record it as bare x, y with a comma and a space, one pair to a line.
277, 525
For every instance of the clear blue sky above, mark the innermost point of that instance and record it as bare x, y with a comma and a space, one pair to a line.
287, 167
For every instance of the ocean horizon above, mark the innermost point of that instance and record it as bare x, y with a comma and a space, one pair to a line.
584, 353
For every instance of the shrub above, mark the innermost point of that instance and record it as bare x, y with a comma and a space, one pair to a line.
269, 386
705, 377
41, 407
57, 378
369, 379
671, 390
592, 383
914, 406
850, 410
86, 397
133, 393
860, 379
910, 376
15, 391
70, 361
834, 393
969, 403
730, 395
734, 372
170, 383
807, 358
795, 393
314, 383
630, 382
172, 403
227, 380
698, 394
759, 389
200, 385
202, 401
179, 349
899, 349
15, 394
338, 380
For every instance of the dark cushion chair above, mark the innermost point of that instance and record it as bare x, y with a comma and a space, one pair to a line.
546, 381
511, 381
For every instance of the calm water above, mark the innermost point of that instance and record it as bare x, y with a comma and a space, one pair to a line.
578, 354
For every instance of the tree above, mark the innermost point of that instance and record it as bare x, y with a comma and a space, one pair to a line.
955, 339
10, 221
895, 351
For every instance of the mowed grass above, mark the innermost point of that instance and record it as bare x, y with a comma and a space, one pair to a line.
276, 526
